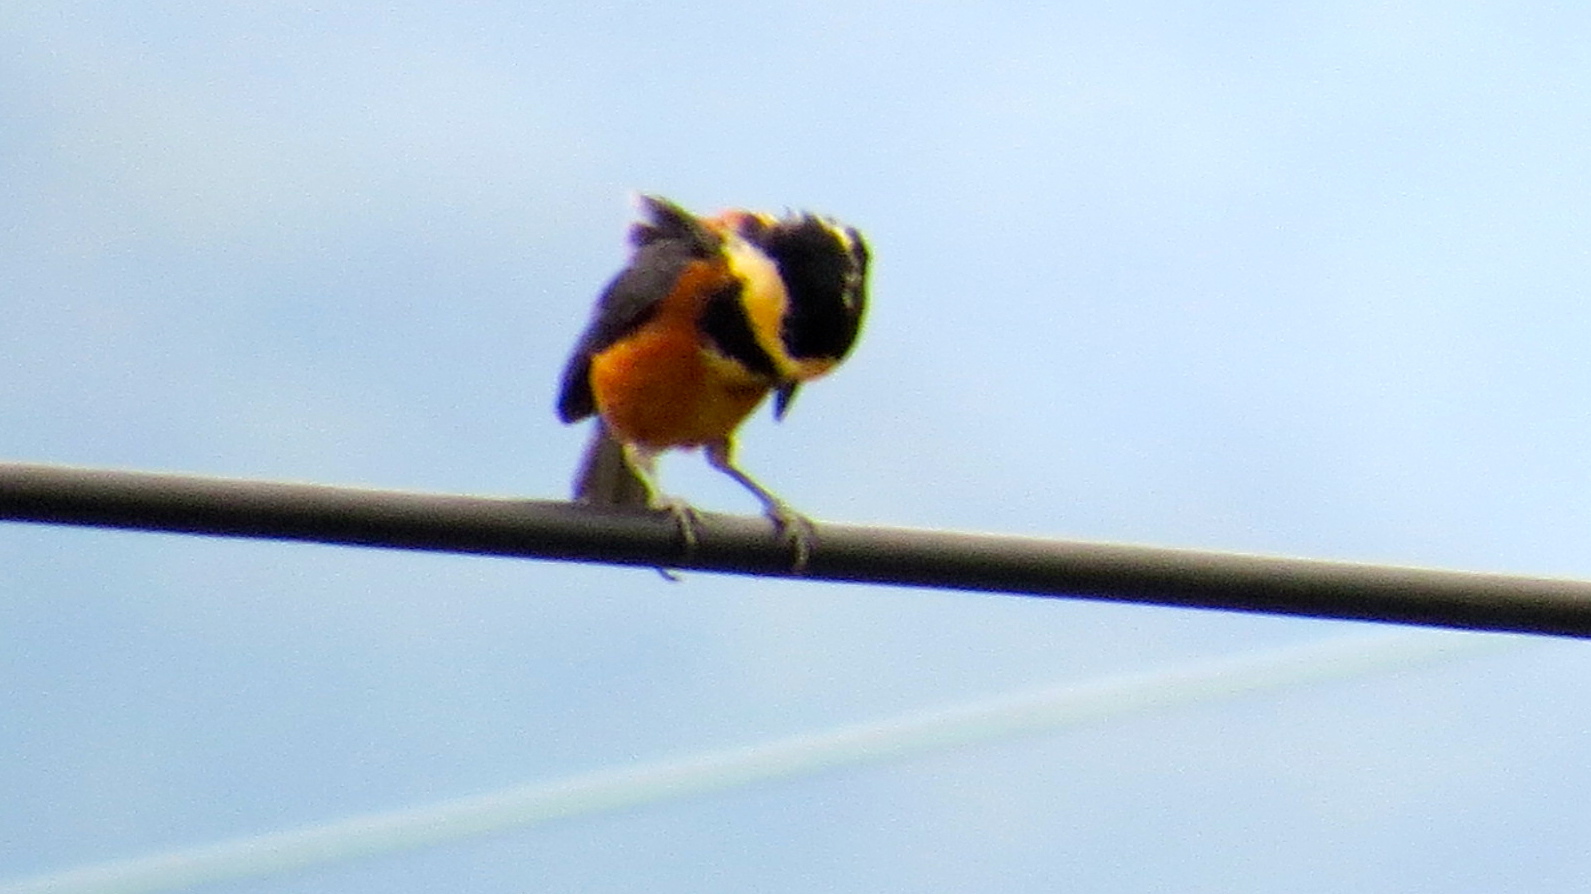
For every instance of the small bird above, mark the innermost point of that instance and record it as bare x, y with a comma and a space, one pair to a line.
711, 315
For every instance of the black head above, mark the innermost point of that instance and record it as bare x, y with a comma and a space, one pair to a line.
823, 264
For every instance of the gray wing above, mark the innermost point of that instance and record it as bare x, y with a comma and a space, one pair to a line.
626, 304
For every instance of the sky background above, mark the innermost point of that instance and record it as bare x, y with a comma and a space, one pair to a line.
1305, 279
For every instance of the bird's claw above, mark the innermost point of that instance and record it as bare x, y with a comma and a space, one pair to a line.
798, 530
689, 521
795, 528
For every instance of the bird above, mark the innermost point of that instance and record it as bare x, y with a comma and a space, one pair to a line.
710, 316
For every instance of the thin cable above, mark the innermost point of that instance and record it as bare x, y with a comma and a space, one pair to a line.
552, 530
851, 746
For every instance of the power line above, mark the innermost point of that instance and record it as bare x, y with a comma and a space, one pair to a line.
633, 786
566, 531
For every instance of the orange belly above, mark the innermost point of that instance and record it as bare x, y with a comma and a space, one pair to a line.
656, 388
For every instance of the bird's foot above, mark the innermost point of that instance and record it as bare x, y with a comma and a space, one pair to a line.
798, 530
689, 522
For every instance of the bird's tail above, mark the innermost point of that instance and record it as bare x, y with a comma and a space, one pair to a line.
606, 477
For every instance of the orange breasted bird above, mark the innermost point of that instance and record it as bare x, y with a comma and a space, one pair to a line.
711, 315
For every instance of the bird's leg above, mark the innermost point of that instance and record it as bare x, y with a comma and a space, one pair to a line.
644, 461
797, 528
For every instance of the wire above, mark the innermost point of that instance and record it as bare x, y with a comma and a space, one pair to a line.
568, 531
845, 747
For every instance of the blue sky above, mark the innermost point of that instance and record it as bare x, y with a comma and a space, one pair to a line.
1304, 279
